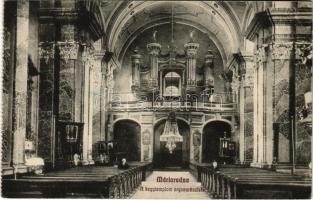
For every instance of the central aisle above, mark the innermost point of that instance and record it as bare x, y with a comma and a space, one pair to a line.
153, 189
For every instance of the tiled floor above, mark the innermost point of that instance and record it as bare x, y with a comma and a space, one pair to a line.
170, 190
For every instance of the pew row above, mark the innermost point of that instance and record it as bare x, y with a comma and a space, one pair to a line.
240, 182
88, 181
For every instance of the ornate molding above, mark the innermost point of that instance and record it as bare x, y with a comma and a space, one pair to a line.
154, 49
68, 50
281, 51
191, 49
249, 77
304, 50
88, 56
260, 54
46, 51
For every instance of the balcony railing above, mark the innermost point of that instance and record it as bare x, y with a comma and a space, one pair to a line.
129, 102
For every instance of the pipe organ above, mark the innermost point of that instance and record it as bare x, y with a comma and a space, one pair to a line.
170, 73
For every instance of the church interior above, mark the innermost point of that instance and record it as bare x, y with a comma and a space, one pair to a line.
100, 97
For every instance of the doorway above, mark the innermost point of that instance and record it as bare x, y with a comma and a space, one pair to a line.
127, 136
179, 158
212, 132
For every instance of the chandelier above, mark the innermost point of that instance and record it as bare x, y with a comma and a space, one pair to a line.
171, 134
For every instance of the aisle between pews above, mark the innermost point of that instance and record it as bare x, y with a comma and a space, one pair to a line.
152, 188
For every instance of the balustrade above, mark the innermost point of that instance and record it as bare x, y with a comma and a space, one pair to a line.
127, 101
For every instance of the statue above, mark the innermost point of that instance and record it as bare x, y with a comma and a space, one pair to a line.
154, 35
191, 35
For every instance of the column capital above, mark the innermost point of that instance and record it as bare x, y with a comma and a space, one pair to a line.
281, 50
304, 49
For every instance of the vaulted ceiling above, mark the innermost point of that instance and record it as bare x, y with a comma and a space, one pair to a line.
221, 21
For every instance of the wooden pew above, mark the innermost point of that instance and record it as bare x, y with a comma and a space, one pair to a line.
105, 182
234, 182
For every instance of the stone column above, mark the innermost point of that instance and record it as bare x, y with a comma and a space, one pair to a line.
87, 105
281, 51
242, 145
20, 93
247, 120
70, 75
255, 115
259, 151
154, 50
260, 130
191, 52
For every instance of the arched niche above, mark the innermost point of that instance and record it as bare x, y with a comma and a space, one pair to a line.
127, 135
181, 154
212, 132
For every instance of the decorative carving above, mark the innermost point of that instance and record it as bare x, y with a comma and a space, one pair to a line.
46, 51
191, 35
281, 51
68, 50
154, 49
146, 137
191, 49
304, 51
196, 138
260, 55
154, 36
88, 53
249, 78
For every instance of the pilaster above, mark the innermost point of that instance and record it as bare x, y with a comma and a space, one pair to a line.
20, 93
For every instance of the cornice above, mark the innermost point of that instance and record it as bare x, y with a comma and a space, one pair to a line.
79, 16
260, 20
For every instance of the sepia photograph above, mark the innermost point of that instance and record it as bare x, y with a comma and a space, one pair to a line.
123, 99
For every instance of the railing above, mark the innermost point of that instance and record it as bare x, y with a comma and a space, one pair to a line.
129, 102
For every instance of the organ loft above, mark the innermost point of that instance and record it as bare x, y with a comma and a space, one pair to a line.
103, 98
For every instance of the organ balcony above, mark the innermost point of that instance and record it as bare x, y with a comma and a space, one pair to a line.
205, 102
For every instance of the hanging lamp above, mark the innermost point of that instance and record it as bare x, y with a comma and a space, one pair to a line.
171, 134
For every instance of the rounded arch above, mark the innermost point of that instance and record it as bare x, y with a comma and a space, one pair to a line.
164, 118
214, 133
127, 140
224, 21
130, 119
159, 22
221, 120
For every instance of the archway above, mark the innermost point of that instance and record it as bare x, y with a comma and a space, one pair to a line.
212, 132
181, 154
127, 134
